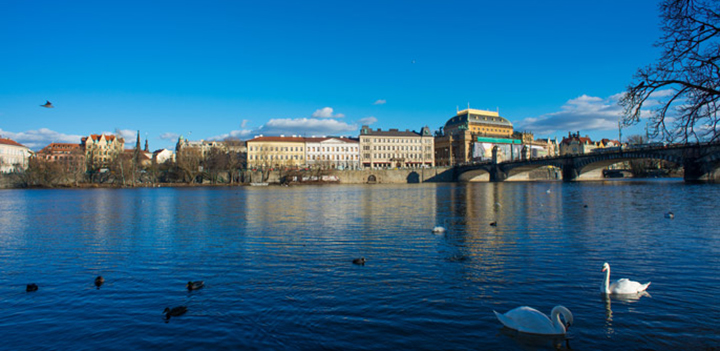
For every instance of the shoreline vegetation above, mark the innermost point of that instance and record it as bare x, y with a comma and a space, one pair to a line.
286, 178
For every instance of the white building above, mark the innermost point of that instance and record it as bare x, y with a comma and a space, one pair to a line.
204, 146
333, 152
13, 156
162, 156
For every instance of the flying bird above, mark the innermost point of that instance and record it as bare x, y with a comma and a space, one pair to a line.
47, 104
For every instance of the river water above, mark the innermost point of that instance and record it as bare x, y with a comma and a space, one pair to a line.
278, 271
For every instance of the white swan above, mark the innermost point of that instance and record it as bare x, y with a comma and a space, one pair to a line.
529, 320
438, 229
621, 286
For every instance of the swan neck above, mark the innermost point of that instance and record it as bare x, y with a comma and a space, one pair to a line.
606, 281
557, 323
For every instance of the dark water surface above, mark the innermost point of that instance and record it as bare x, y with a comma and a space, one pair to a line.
278, 273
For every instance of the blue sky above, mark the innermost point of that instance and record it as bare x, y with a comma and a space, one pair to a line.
234, 68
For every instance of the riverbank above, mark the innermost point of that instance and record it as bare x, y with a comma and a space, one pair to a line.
300, 177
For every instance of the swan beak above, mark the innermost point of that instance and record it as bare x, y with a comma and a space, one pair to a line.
604, 269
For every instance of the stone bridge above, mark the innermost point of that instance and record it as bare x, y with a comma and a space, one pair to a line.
700, 162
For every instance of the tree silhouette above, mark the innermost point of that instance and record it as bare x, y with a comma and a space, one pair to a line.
683, 87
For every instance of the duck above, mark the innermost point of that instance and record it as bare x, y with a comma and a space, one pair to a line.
493, 224
529, 320
31, 287
174, 312
621, 286
198, 284
99, 281
360, 261
438, 229
670, 215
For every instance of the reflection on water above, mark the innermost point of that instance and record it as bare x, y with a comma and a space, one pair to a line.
278, 272
624, 298
523, 341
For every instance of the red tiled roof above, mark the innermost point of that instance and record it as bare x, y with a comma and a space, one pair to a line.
582, 140
108, 137
59, 147
10, 142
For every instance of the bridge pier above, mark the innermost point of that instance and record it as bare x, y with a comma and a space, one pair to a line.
497, 174
695, 171
569, 173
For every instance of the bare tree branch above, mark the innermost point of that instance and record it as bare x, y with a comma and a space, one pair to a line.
689, 68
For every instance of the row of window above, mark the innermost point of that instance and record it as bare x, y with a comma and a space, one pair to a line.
331, 149
275, 157
490, 130
333, 157
396, 148
398, 140
276, 148
387, 156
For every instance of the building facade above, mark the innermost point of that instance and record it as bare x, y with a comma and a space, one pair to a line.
70, 156
203, 146
332, 153
163, 155
13, 156
574, 144
276, 152
456, 142
101, 150
396, 149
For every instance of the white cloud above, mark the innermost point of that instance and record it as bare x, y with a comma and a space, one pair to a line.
326, 112
169, 136
129, 135
244, 123
367, 120
234, 134
380, 102
38, 139
584, 113
306, 127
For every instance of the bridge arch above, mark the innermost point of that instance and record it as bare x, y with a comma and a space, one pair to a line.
523, 172
591, 167
701, 162
475, 175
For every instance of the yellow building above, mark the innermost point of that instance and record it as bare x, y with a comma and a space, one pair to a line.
454, 144
101, 150
275, 152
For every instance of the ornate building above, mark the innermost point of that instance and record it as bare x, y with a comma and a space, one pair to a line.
574, 144
472, 134
393, 148
456, 141
101, 150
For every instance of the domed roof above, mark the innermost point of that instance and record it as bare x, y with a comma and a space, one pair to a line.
473, 116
